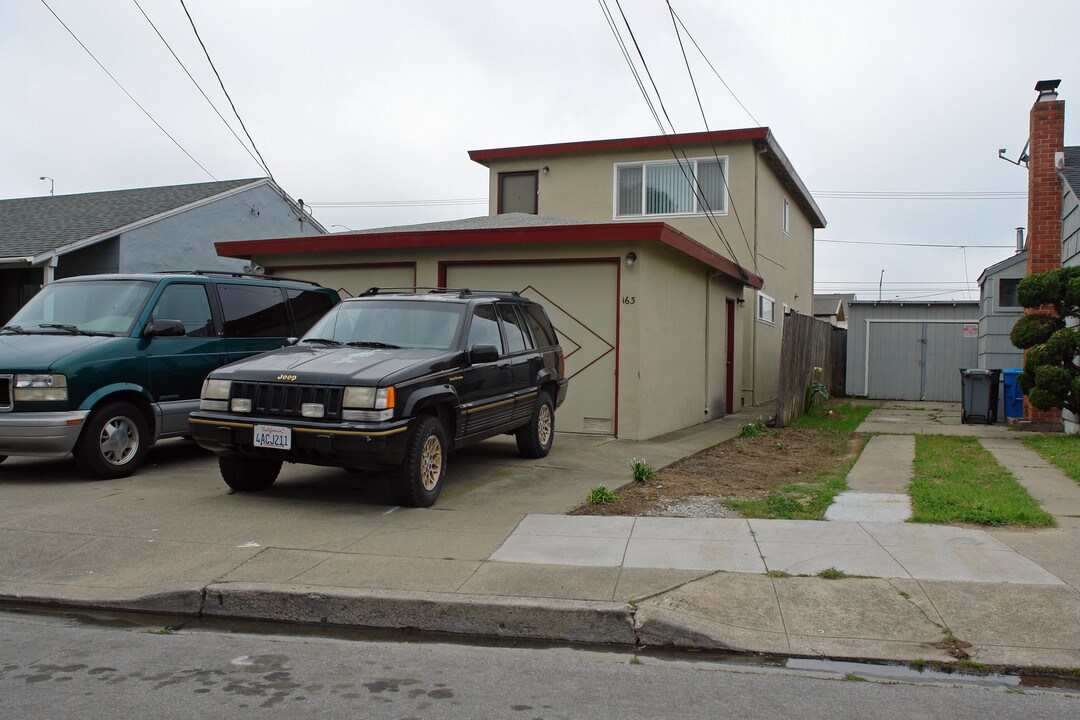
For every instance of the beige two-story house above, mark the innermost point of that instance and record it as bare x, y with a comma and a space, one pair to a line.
666, 264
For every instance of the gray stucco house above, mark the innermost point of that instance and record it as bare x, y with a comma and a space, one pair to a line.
999, 311
138, 230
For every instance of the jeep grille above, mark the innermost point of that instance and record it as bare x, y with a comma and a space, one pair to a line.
285, 399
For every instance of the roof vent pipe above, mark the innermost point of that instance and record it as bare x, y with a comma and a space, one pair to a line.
1019, 239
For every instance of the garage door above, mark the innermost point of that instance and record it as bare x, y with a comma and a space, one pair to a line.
582, 301
920, 360
350, 281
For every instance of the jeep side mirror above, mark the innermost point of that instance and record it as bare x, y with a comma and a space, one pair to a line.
165, 328
290, 341
483, 353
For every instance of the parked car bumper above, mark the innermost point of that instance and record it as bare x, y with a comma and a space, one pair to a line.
40, 434
353, 445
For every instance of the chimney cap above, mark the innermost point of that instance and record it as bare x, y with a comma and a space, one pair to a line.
1047, 85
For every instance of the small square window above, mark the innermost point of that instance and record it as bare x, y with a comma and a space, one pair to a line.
766, 309
518, 192
1007, 292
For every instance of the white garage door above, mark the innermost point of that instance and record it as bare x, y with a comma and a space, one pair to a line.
581, 298
350, 281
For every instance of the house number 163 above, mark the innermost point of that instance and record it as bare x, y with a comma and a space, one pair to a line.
629, 299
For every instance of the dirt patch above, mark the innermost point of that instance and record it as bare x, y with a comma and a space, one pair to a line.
745, 468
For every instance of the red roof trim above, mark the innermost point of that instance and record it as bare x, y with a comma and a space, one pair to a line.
587, 146
547, 235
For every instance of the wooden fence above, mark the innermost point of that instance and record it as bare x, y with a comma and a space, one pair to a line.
807, 344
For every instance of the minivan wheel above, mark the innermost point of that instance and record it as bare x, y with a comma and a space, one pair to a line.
246, 474
534, 440
419, 480
114, 442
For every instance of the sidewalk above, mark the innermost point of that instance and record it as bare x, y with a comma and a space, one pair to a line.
497, 557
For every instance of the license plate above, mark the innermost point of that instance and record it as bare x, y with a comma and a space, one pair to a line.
273, 436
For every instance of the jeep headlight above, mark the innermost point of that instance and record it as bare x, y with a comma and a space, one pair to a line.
215, 394
37, 388
378, 404
369, 398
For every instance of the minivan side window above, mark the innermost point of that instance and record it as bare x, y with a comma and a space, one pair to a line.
515, 333
253, 311
485, 328
541, 326
307, 307
189, 304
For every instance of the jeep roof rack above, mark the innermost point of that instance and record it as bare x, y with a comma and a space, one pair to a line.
460, 292
228, 273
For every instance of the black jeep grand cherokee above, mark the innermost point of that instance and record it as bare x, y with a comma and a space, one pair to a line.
389, 380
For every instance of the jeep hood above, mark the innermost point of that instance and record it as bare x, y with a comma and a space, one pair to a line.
39, 352
331, 366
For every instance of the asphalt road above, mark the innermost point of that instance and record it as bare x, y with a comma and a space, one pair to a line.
56, 667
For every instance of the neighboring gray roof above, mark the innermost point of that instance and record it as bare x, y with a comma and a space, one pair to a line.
829, 304
35, 225
484, 222
1020, 257
1071, 172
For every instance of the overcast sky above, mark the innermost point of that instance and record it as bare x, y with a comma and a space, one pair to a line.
379, 102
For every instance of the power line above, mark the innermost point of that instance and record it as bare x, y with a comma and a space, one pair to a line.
397, 203
125, 91
222, 84
920, 195
715, 72
903, 244
716, 154
199, 87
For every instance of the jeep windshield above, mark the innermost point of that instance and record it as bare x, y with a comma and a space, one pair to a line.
93, 307
430, 325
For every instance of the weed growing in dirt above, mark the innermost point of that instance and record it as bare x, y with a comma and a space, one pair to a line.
831, 573
852, 677
752, 430
600, 495
642, 471
839, 418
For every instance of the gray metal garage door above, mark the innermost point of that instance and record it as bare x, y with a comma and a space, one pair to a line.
919, 360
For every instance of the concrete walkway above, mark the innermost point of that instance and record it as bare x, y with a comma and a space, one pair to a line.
497, 557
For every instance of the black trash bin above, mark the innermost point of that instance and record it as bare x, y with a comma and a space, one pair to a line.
979, 395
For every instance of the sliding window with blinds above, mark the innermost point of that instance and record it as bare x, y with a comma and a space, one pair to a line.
671, 188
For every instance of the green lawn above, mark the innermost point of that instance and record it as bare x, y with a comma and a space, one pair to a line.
1060, 450
844, 418
957, 480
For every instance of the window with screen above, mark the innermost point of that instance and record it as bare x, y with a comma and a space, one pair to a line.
687, 187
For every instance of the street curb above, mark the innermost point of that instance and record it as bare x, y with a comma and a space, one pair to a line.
576, 621
180, 600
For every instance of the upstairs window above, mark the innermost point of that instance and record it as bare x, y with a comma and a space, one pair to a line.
518, 192
1007, 292
671, 188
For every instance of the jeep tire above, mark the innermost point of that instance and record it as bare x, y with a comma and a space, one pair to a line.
249, 474
535, 438
420, 477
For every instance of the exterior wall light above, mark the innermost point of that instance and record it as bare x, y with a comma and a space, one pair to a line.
631, 258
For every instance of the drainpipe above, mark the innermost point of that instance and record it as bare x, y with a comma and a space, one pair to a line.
48, 272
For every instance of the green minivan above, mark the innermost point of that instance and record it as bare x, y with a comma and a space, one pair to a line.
104, 366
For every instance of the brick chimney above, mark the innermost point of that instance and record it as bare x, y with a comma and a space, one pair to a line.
1047, 138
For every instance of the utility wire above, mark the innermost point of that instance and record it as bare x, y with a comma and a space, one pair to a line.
201, 91
222, 84
716, 153
904, 244
684, 162
715, 72
130, 96
921, 195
